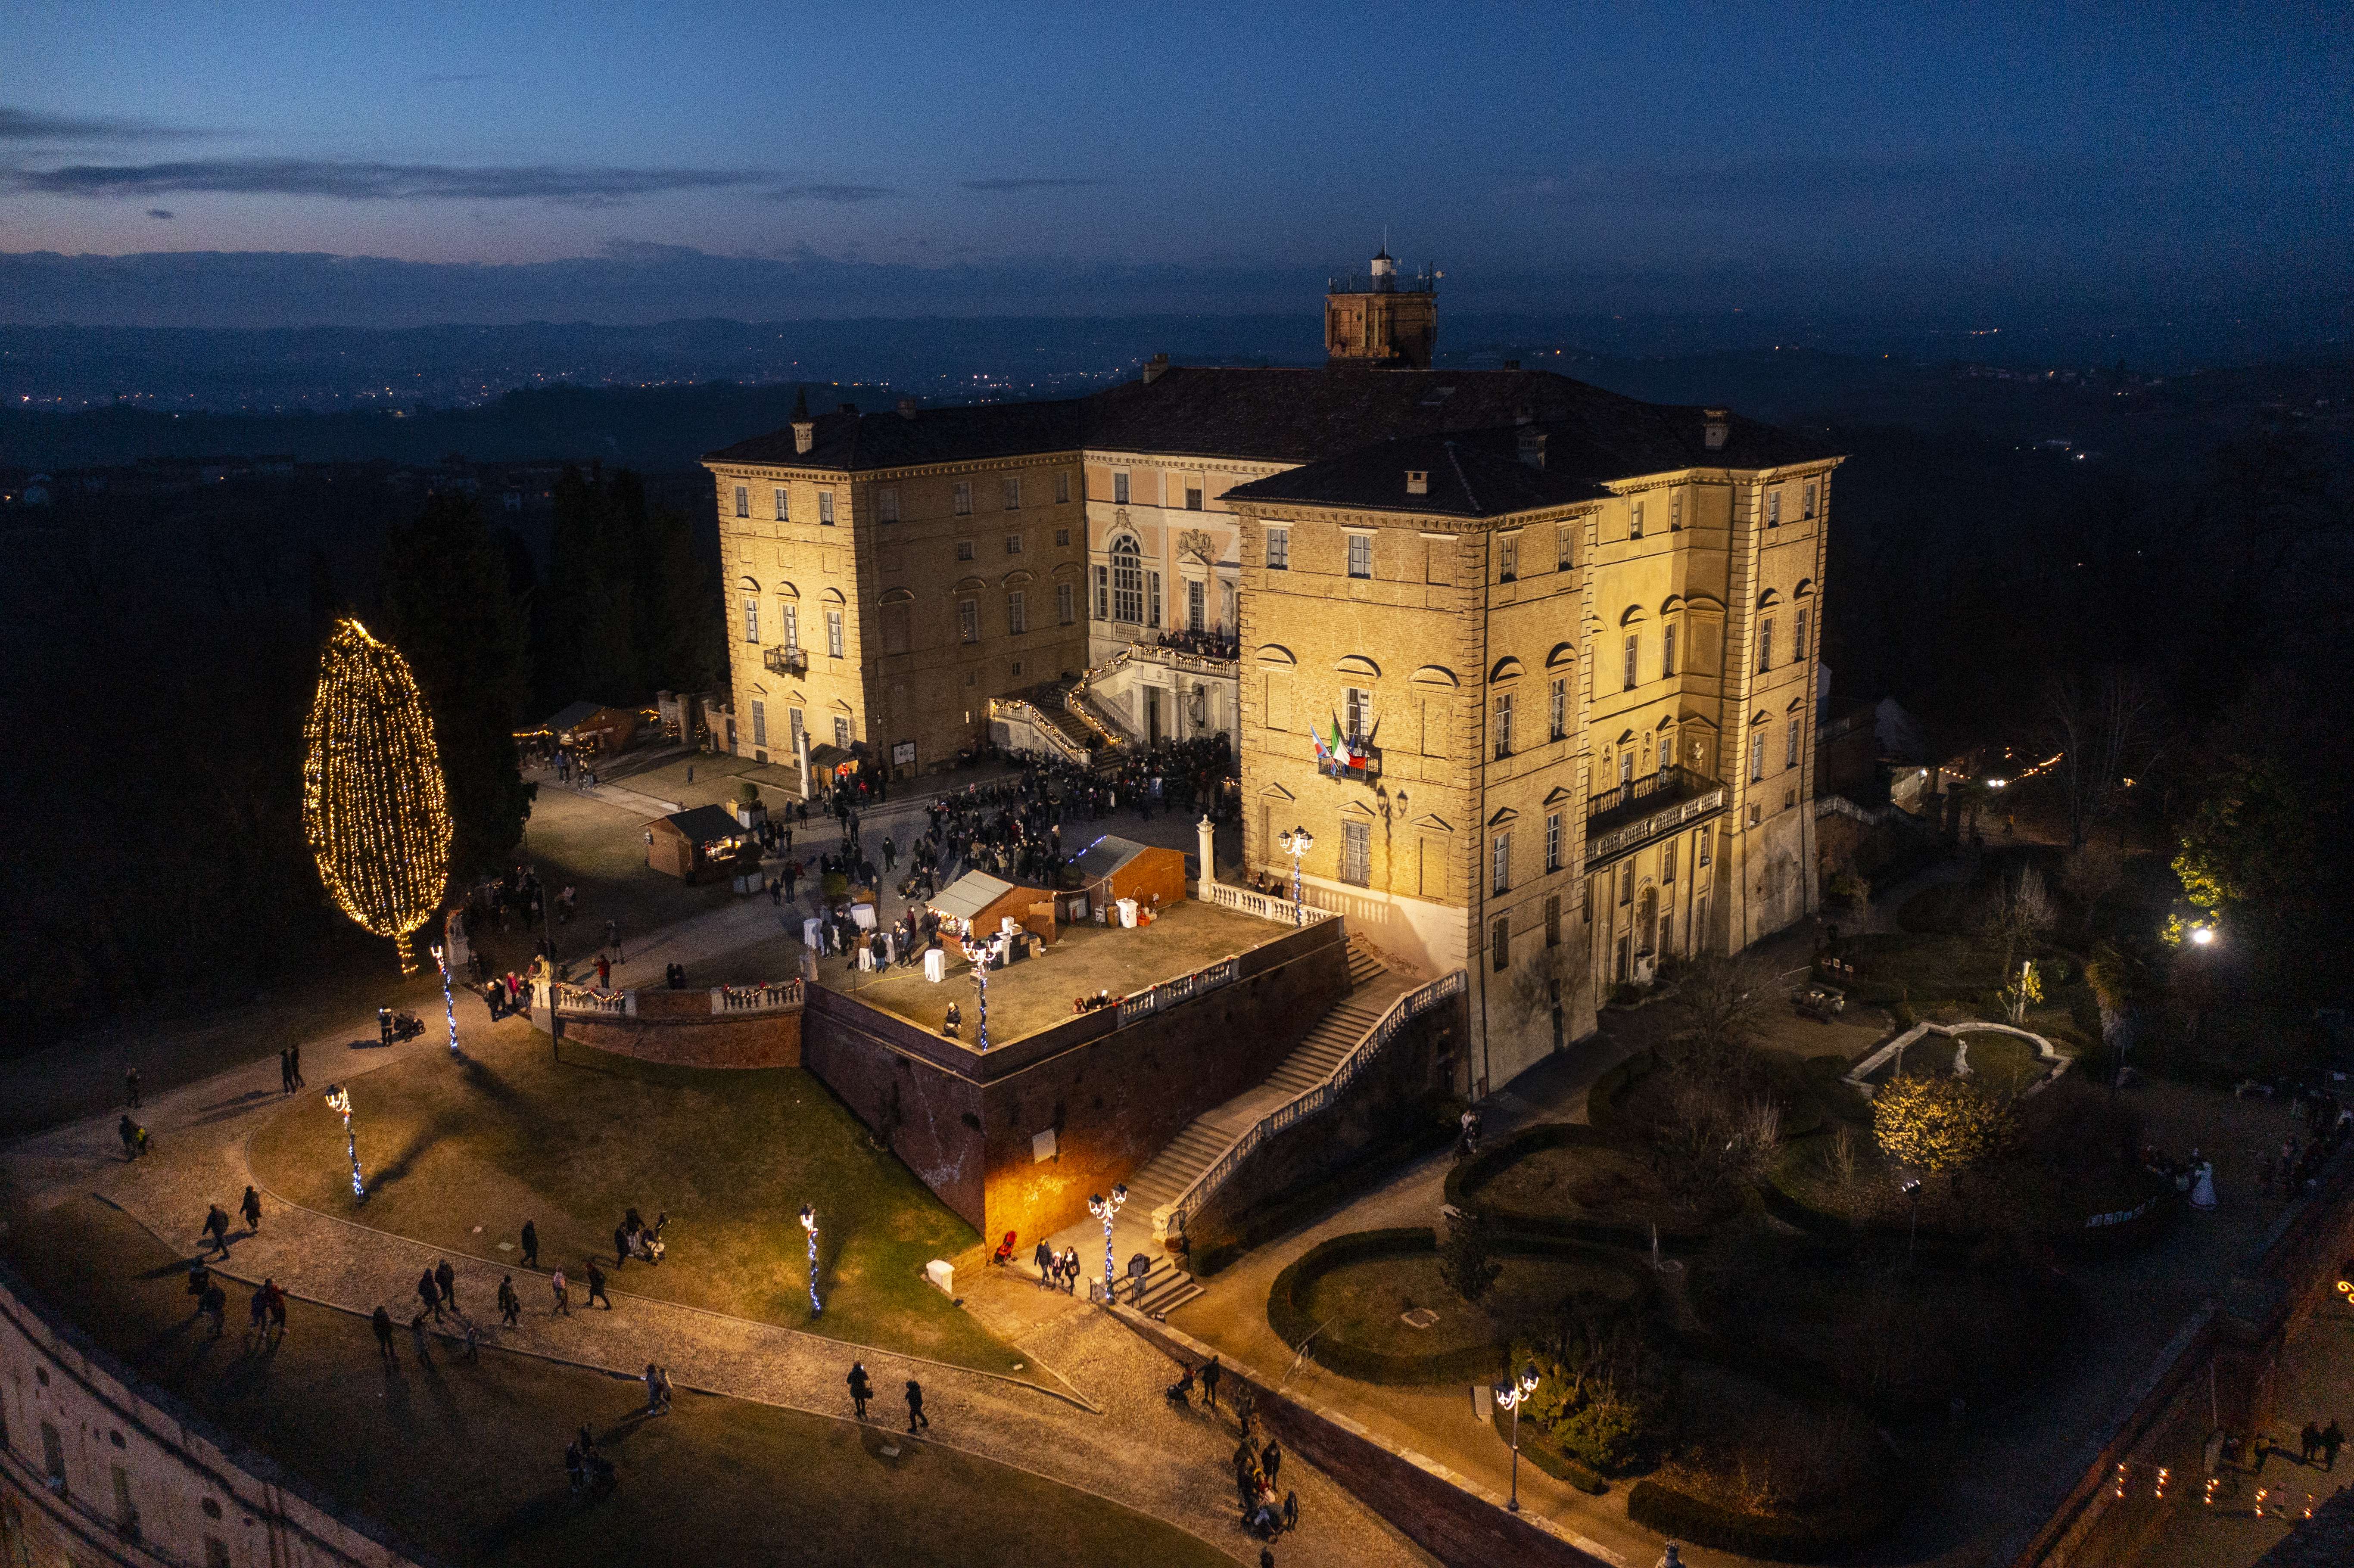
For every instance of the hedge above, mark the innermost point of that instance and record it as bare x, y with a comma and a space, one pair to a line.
1464, 1181
1538, 1448
1475, 1363
1806, 1538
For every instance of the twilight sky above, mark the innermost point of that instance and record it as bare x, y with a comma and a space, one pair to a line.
2182, 149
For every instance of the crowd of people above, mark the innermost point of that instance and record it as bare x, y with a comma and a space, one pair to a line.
1202, 644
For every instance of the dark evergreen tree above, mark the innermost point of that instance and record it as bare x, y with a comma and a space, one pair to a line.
448, 611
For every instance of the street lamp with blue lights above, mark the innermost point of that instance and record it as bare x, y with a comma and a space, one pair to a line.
1107, 1208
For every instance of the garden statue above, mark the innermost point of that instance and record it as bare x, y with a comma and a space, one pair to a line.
2203, 1185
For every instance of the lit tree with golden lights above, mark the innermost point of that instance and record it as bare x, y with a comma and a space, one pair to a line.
374, 804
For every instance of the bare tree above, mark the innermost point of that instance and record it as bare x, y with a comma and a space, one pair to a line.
1724, 997
2020, 911
2105, 731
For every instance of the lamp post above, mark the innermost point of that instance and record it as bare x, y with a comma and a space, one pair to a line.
809, 1224
339, 1100
1297, 843
1511, 1395
979, 958
1105, 1209
449, 1005
1912, 1189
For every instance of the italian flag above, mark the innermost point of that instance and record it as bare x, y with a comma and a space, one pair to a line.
1339, 749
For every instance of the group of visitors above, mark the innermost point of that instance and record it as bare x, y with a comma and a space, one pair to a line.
862, 1389
1202, 644
1256, 1467
1057, 1270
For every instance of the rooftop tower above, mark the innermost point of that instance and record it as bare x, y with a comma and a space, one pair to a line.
1377, 320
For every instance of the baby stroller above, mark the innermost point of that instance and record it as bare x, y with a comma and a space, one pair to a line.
649, 1247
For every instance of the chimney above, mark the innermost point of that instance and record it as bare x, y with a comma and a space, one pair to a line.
1155, 367
1417, 481
1712, 431
804, 428
906, 408
1533, 445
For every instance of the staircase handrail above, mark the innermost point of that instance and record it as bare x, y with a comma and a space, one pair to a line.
1266, 907
1025, 709
1077, 701
1309, 1101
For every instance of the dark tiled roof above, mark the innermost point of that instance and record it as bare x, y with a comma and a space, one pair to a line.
1293, 417
702, 824
955, 434
1475, 474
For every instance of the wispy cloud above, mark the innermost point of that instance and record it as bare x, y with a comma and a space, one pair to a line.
31, 125
1008, 186
369, 182
841, 195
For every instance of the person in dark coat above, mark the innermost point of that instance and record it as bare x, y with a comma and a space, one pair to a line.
530, 1244
510, 1304
1044, 1259
2333, 1437
915, 1415
217, 1227
294, 1056
1210, 1376
861, 1391
445, 1280
620, 1245
382, 1324
251, 1209
214, 1304
285, 1073
429, 1291
1271, 1460
597, 1286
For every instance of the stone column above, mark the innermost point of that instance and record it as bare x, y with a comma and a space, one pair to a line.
1209, 858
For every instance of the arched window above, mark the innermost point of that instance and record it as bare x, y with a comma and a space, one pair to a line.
1126, 581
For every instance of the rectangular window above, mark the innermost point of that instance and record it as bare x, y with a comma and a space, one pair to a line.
1500, 944
1552, 840
1508, 552
1501, 853
1773, 509
1197, 596
1667, 650
1808, 510
1278, 549
842, 731
1764, 644
964, 549
1017, 613
1357, 854
1120, 487
1013, 543
1798, 639
1192, 498
743, 501
1757, 754
1103, 593
1062, 485
1668, 861
1561, 550
794, 726
1667, 752
1557, 704
1754, 812
784, 511
126, 1512
1701, 847
1356, 712
1634, 520
967, 620
751, 619
834, 634
1011, 488
53, 1454
791, 614
1634, 648
759, 722
963, 504
825, 508
1065, 604
1552, 919
1360, 555
1627, 882
887, 503
1585, 902
1152, 599
1675, 511
1503, 725
1790, 747
1062, 538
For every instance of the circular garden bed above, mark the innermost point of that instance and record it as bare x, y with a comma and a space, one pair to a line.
1562, 1178
1371, 1306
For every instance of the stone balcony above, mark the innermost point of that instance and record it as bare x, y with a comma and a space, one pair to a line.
1636, 812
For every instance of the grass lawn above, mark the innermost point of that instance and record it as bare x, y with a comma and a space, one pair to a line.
464, 1461
459, 1154
1600, 1182
1366, 1299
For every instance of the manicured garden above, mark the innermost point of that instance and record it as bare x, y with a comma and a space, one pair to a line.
460, 1152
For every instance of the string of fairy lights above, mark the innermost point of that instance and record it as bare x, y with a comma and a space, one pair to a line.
375, 806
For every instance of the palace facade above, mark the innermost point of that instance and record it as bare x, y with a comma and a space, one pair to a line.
1532, 664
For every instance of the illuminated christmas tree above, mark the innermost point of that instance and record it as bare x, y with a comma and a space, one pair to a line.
373, 802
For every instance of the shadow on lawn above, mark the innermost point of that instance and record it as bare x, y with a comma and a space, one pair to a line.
438, 1127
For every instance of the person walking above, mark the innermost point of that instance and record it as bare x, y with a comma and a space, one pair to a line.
597, 1286
294, 1056
653, 1389
429, 1292
217, 1227
445, 1280
1271, 1459
251, 1209
1045, 1259
510, 1304
2333, 1437
915, 1416
621, 1243
382, 1322
214, 1304
275, 1299
1291, 1510
1210, 1376
530, 1244
285, 1074
861, 1391
130, 1085
563, 1299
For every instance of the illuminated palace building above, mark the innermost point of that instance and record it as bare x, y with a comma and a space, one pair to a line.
1533, 663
